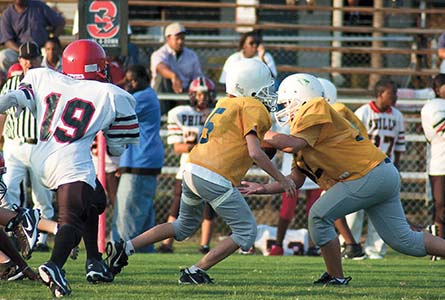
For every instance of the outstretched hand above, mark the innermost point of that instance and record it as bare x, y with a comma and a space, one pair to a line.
289, 187
249, 188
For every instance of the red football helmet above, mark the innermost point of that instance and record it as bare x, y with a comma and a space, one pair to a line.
15, 69
85, 59
3, 187
204, 85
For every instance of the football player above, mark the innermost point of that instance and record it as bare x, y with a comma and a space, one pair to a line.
13, 265
228, 146
185, 123
70, 113
353, 171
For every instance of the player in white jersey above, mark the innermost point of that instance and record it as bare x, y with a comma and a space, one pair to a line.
185, 123
433, 123
70, 112
386, 129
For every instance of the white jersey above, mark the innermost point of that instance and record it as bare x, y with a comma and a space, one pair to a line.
385, 129
184, 125
433, 123
69, 114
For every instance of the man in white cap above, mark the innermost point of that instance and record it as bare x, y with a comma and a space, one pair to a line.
173, 66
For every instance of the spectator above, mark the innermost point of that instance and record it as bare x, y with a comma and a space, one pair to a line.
62, 157
433, 124
52, 57
386, 129
216, 165
250, 46
441, 52
20, 135
26, 21
173, 66
367, 179
139, 164
185, 123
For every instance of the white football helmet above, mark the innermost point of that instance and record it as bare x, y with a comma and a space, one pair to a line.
330, 91
252, 78
294, 91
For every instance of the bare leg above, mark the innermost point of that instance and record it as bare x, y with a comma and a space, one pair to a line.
332, 258
434, 245
343, 229
281, 231
155, 234
47, 226
169, 242
217, 254
3, 257
206, 231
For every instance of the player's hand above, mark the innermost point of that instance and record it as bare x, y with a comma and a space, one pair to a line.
248, 188
289, 187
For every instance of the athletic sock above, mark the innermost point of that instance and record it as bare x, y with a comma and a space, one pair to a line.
129, 248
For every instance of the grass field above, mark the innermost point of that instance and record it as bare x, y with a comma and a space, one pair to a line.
154, 276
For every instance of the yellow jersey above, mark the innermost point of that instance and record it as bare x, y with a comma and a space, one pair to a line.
349, 115
222, 147
336, 151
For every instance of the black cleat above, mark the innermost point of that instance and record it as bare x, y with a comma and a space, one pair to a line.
200, 277
326, 279
97, 271
54, 278
353, 251
116, 257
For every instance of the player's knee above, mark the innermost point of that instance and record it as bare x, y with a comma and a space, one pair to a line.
183, 230
411, 243
322, 230
245, 239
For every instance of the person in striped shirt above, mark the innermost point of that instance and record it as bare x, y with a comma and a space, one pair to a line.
20, 138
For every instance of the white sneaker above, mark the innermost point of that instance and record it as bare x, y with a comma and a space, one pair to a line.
375, 256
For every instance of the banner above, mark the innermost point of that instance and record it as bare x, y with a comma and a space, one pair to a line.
106, 22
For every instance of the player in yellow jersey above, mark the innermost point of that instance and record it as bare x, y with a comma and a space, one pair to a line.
227, 148
355, 173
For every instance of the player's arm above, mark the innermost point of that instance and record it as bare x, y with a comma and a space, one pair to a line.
17, 98
124, 129
262, 160
284, 142
249, 188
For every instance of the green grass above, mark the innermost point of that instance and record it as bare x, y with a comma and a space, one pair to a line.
154, 276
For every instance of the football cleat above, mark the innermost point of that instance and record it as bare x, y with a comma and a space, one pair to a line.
116, 257
54, 278
200, 277
74, 253
353, 251
97, 271
24, 226
276, 251
204, 249
326, 279
434, 230
163, 248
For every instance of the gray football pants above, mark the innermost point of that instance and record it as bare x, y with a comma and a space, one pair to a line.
227, 202
378, 193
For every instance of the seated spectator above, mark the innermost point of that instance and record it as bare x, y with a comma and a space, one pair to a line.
26, 21
173, 66
250, 46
